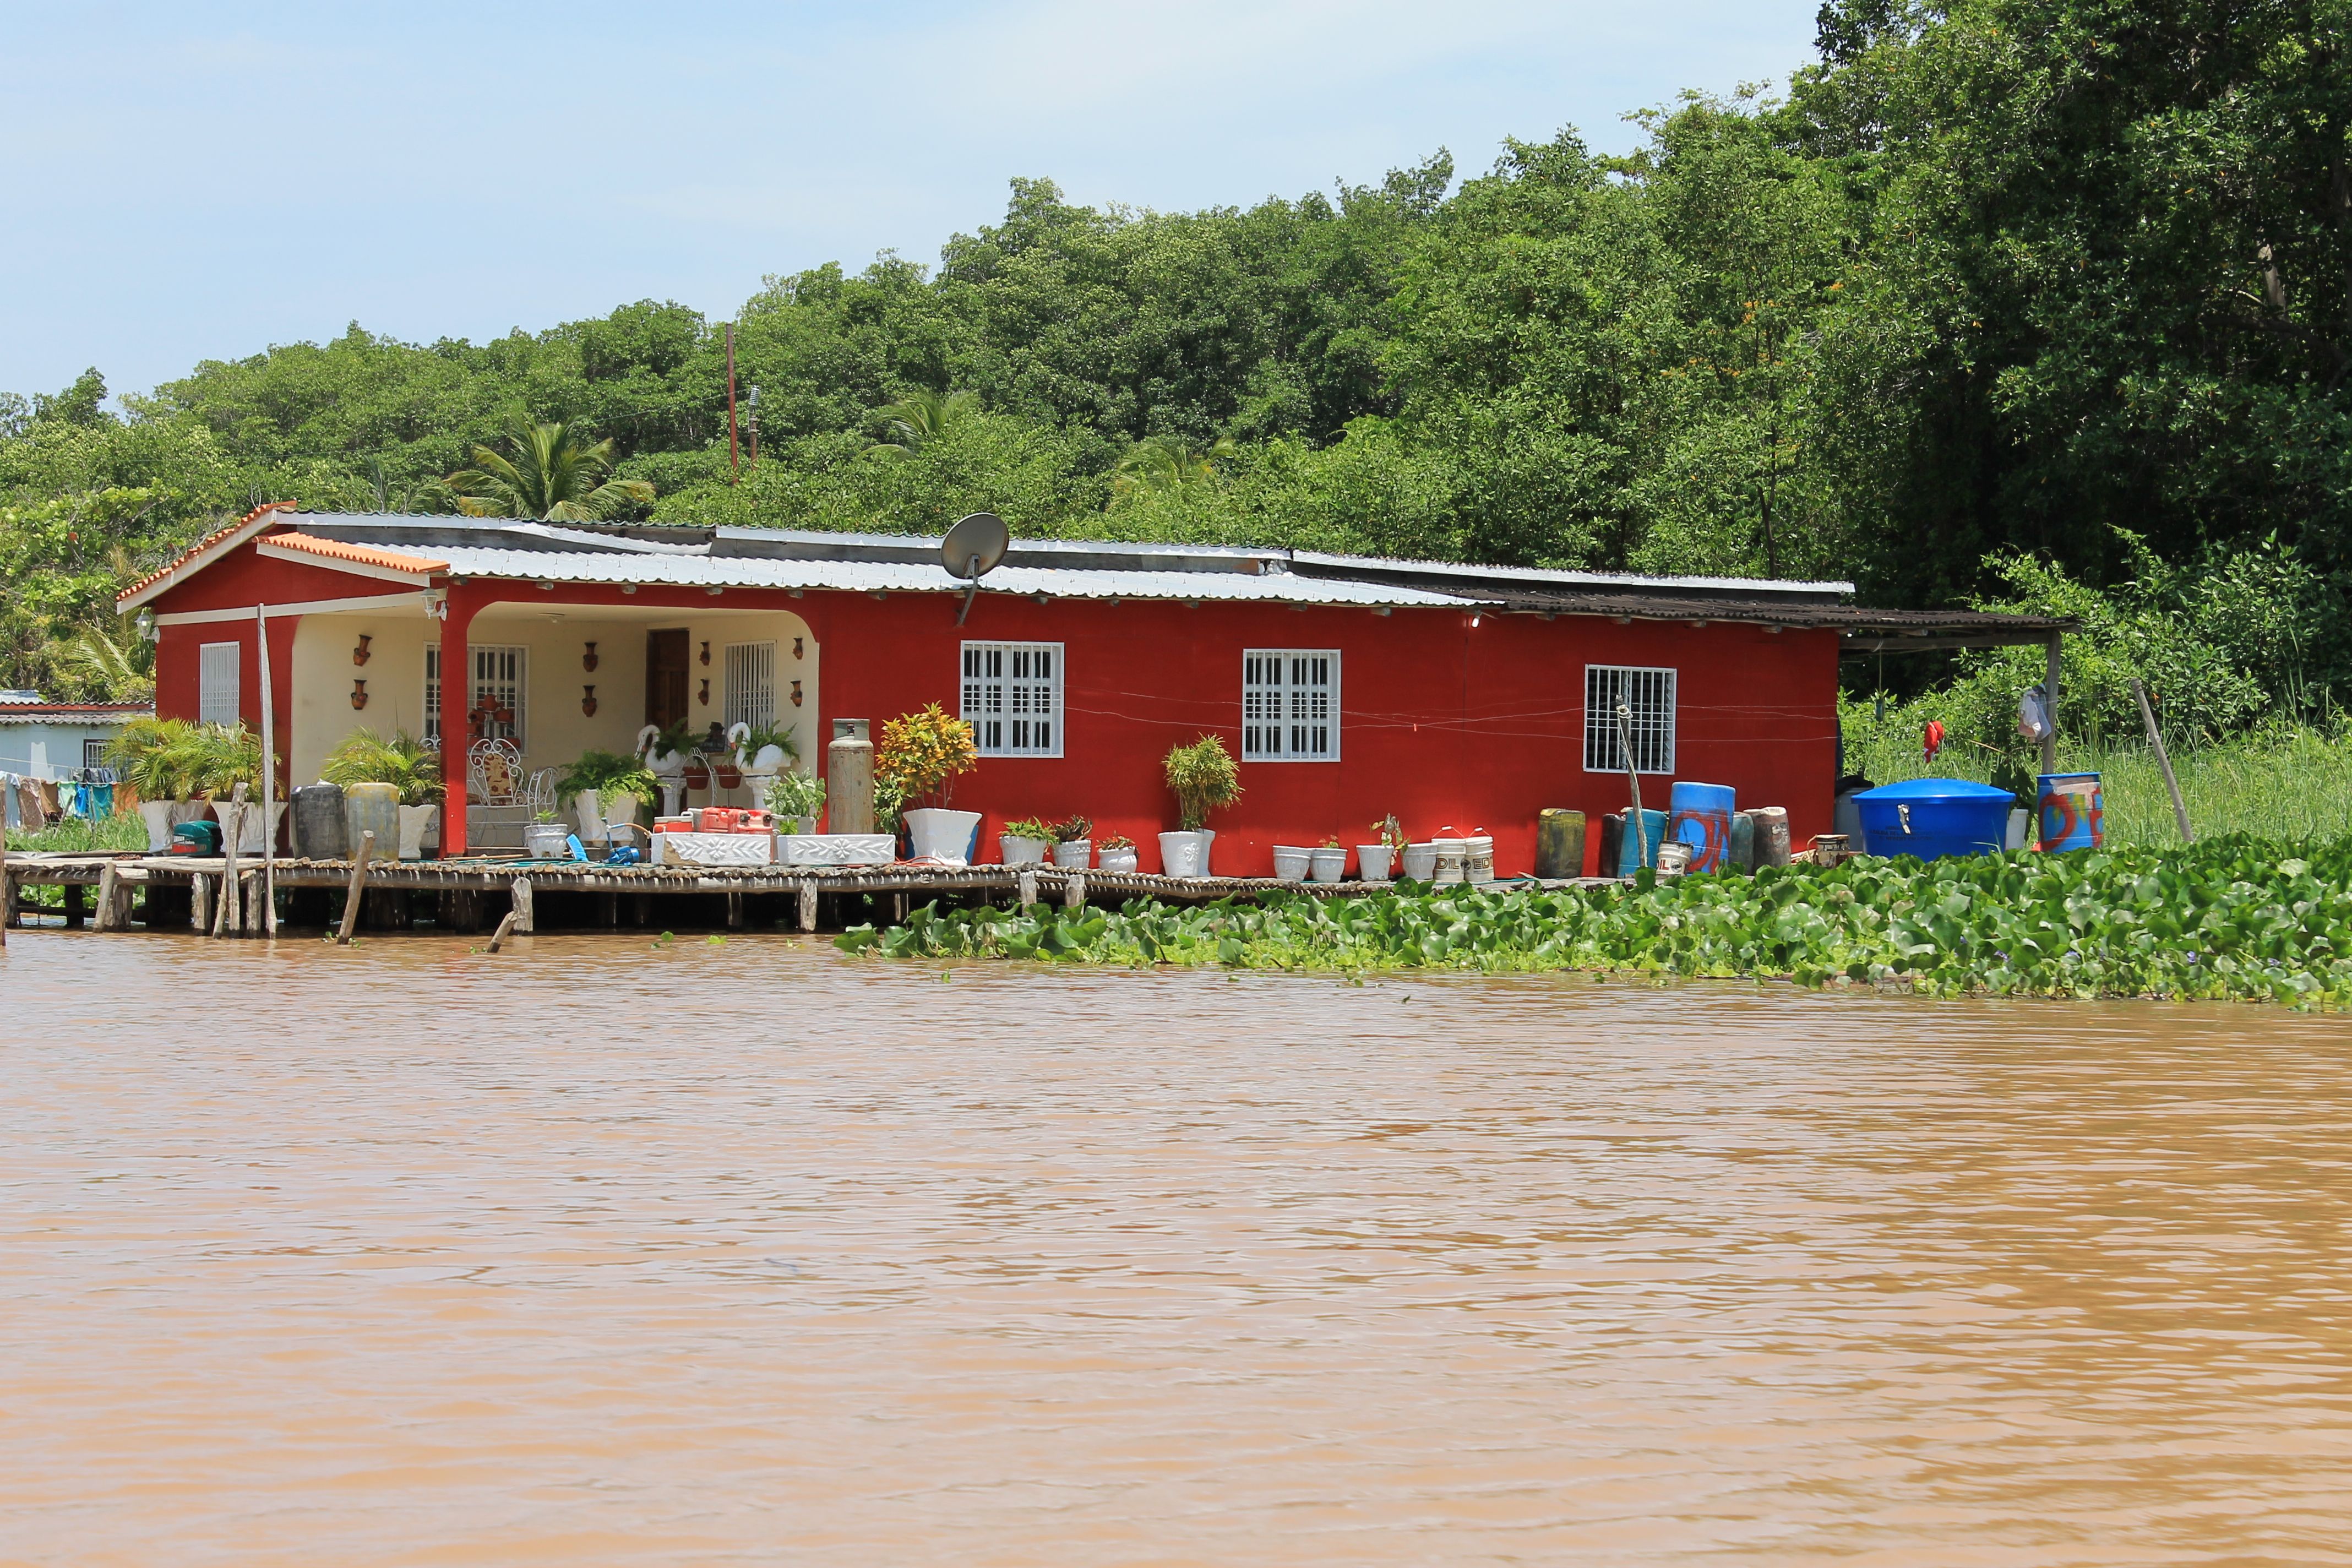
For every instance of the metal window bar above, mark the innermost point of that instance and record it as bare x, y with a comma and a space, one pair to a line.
1649, 694
432, 694
752, 684
1290, 705
1011, 696
498, 674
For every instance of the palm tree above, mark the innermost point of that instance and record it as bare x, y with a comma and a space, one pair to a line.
1167, 463
555, 475
123, 670
920, 417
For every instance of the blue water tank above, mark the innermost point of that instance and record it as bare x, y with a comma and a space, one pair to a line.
1701, 817
1935, 817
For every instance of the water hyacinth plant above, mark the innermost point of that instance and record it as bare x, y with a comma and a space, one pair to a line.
2230, 919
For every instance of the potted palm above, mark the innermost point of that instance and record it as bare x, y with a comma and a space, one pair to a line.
918, 758
1023, 843
606, 791
405, 765
1202, 778
155, 758
1074, 850
1116, 853
221, 757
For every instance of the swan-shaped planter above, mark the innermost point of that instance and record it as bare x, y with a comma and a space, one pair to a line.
668, 769
759, 771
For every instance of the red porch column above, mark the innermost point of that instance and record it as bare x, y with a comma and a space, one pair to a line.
456, 685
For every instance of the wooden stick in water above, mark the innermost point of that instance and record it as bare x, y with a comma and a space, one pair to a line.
506, 929
109, 897
7, 893
523, 912
357, 885
2164, 761
229, 914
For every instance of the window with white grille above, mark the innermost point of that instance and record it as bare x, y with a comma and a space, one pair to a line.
1649, 694
751, 685
216, 688
1013, 698
432, 693
499, 678
1290, 705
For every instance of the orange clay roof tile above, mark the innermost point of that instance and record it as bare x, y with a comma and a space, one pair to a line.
200, 546
358, 554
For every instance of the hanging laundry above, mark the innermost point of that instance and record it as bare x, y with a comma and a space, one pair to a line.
1931, 739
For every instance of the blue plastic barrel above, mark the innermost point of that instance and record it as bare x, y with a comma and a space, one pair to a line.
1702, 819
1631, 853
2073, 810
1931, 818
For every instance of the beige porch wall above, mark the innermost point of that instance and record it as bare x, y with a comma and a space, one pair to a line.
554, 731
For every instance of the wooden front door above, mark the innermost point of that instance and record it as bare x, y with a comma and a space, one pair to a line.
666, 667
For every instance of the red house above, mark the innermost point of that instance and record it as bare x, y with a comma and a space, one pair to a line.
1348, 687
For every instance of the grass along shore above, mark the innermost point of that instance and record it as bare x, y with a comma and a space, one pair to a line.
2233, 918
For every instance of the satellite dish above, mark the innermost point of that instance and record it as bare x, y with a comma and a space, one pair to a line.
972, 549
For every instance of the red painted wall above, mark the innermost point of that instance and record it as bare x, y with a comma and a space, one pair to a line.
1444, 722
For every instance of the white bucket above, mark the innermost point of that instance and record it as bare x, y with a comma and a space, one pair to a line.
1291, 862
1327, 865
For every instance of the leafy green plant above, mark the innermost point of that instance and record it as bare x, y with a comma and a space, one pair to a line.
923, 754
1071, 829
679, 737
156, 757
2233, 917
611, 776
403, 762
890, 805
796, 794
1029, 827
1115, 842
1390, 832
555, 472
757, 738
1203, 779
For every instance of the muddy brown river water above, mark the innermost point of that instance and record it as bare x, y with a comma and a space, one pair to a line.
593, 1253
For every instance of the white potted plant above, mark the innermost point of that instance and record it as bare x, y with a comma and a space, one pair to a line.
1292, 862
1202, 778
606, 790
1074, 850
1023, 843
1116, 853
1328, 861
547, 839
665, 753
155, 758
1374, 860
919, 759
796, 800
410, 769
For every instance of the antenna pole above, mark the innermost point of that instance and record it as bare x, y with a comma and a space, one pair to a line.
972, 591
734, 459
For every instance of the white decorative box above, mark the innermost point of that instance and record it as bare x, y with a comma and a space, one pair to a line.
712, 850
835, 849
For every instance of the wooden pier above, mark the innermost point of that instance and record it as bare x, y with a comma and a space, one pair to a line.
122, 892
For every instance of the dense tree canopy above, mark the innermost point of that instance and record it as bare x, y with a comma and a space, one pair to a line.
2068, 280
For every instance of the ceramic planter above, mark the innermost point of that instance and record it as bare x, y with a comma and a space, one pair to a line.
1021, 851
1420, 863
540, 840
835, 849
1118, 859
1185, 853
157, 815
1291, 862
1076, 855
1373, 861
1327, 865
934, 833
419, 823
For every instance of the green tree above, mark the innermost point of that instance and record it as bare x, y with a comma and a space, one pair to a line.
556, 474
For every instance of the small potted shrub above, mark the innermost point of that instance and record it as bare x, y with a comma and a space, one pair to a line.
547, 839
918, 758
797, 800
1074, 847
1202, 778
1328, 861
1023, 843
402, 765
761, 752
156, 758
1375, 861
1116, 853
220, 758
606, 791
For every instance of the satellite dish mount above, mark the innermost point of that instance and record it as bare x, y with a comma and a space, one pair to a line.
972, 549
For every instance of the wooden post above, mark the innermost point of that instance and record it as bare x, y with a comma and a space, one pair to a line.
269, 779
523, 911
2050, 702
808, 906
734, 912
1073, 892
229, 914
2163, 761
358, 886
506, 929
109, 897
200, 904
1633, 822
1024, 889
7, 890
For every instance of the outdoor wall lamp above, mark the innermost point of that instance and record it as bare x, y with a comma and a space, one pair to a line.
360, 655
436, 603
359, 694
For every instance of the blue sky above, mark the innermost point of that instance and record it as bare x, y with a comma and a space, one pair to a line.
198, 181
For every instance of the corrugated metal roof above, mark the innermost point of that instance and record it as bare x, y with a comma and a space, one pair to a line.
905, 577
74, 712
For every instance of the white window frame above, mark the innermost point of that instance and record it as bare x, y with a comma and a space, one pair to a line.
751, 695
1001, 693
220, 673
432, 694
1290, 708
1656, 693
478, 655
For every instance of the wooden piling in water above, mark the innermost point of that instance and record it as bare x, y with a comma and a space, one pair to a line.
506, 929
359, 885
521, 914
109, 897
